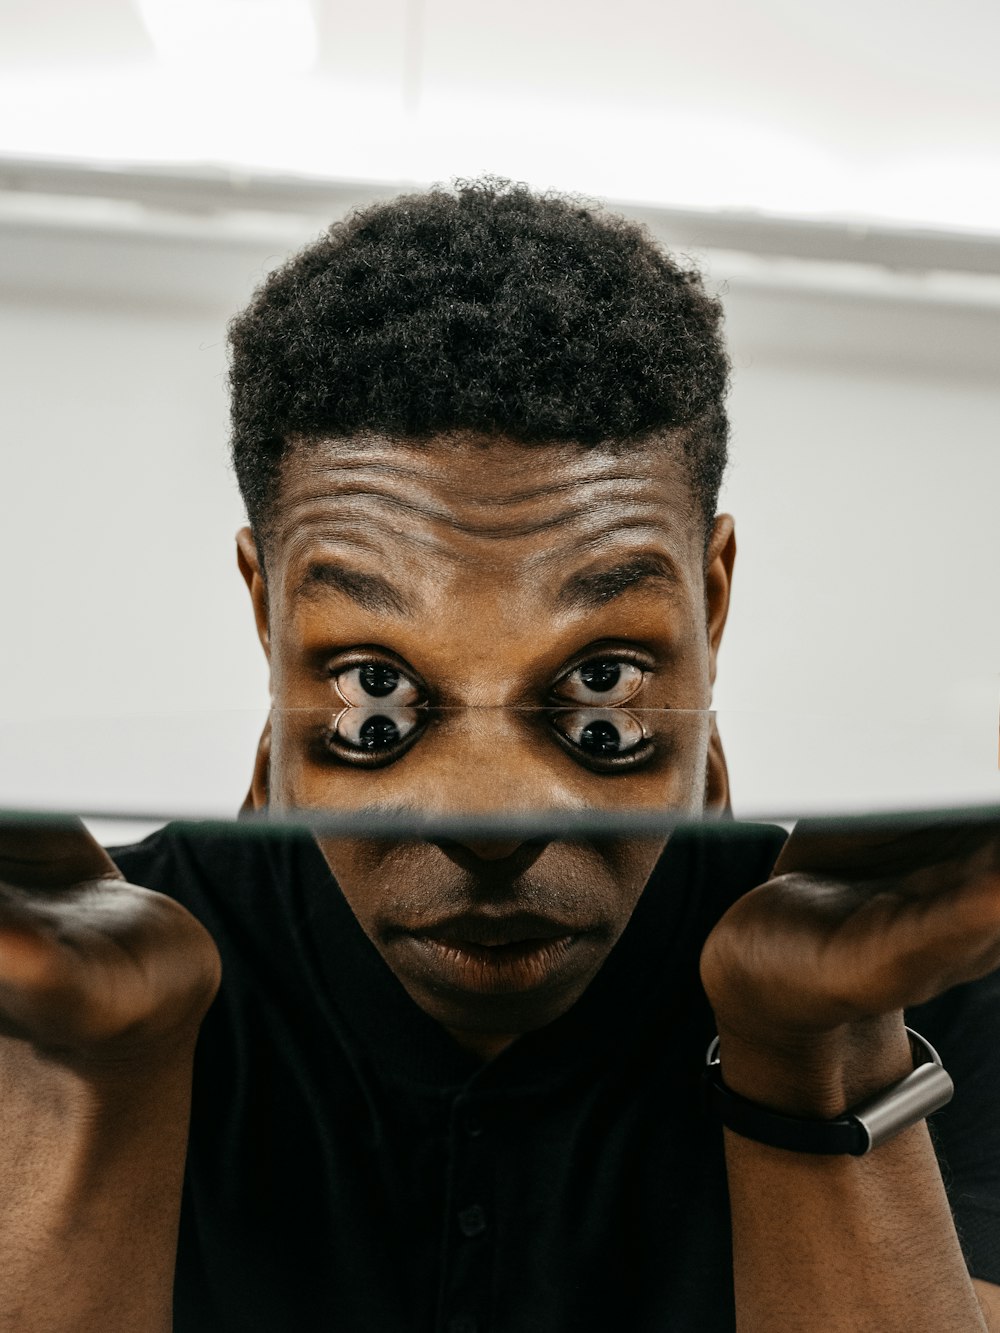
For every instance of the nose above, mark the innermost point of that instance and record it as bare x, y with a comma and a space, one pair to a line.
491, 764
486, 857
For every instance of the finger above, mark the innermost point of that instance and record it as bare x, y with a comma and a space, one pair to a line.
37, 855
821, 847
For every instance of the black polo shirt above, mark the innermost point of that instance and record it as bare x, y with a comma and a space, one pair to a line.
352, 1169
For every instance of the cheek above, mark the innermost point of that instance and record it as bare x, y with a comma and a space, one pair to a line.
359, 869
631, 864
371, 875
285, 779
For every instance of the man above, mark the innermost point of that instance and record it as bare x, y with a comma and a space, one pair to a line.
455, 1085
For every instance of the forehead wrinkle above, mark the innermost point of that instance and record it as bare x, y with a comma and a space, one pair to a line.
356, 481
321, 523
608, 541
370, 503
363, 464
356, 493
357, 503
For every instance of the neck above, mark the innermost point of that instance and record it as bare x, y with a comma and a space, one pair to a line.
487, 1045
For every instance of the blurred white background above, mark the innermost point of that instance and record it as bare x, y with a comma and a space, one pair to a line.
834, 170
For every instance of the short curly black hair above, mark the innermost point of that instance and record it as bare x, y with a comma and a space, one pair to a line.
487, 308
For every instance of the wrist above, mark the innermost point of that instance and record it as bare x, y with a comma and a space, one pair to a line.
818, 1075
93, 1097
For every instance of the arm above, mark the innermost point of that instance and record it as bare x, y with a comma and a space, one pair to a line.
91, 1173
102, 989
842, 1244
808, 977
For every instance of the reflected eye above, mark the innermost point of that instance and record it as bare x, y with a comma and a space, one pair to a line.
601, 733
372, 735
363, 685
603, 681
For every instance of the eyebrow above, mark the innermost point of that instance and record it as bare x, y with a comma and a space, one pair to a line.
586, 592
372, 592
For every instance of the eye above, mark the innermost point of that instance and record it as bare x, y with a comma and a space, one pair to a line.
601, 681
372, 735
376, 681
603, 735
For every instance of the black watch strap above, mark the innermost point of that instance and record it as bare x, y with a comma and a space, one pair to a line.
855, 1132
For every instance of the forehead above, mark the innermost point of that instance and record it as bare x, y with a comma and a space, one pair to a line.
460, 507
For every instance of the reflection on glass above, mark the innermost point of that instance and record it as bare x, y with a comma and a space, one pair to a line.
778, 764
370, 734
469, 760
602, 734
377, 733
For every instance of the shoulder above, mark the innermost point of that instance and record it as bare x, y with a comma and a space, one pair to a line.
224, 874
180, 859
728, 858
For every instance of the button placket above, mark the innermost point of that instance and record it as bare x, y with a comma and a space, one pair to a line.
463, 1324
472, 1220
467, 1279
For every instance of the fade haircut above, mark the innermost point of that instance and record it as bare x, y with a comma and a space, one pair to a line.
486, 309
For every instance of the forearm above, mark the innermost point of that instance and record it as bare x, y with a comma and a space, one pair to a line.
831, 1244
91, 1172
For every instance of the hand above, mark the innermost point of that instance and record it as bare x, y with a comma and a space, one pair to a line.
95, 973
808, 974
103, 987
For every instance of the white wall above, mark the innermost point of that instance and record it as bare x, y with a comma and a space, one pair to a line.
865, 482
866, 108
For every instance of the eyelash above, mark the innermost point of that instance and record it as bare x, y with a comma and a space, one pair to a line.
360, 658
332, 745
329, 744
613, 656
640, 753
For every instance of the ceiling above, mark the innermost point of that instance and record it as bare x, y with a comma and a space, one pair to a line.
884, 109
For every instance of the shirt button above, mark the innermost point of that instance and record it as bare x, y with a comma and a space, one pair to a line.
473, 1126
462, 1323
472, 1221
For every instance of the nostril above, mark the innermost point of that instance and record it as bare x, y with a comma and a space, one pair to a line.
493, 850
510, 856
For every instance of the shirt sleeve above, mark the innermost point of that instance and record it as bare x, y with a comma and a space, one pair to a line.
964, 1027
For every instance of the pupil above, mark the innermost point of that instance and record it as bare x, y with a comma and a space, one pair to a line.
378, 679
600, 737
378, 733
600, 676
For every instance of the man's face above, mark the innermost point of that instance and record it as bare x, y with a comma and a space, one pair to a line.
457, 627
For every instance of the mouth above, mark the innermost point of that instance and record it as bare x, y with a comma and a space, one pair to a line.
493, 955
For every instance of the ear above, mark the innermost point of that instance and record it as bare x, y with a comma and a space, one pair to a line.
717, 776
718, 582
257, 795
250, 567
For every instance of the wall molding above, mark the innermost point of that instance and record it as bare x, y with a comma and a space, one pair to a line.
200, 239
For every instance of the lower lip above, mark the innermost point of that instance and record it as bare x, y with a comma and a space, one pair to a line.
494, 969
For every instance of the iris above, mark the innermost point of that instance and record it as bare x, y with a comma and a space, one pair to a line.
378, 679
600, 737
600, 676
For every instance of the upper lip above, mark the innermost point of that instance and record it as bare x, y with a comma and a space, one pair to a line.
477, 928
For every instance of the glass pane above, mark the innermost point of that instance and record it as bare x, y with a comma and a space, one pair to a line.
777, 765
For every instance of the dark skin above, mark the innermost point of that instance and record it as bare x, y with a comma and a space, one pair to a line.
103, 985
495, 582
